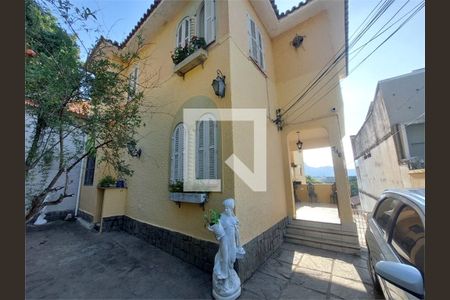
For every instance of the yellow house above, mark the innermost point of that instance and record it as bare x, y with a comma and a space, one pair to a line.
268, 58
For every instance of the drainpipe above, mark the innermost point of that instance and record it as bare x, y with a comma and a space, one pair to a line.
79, 181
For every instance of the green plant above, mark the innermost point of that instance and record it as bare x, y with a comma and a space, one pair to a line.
107, 181
211, 218
180, 53
176, 186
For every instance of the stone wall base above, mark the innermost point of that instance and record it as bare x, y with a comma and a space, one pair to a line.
85, 216
260, 249
199, 252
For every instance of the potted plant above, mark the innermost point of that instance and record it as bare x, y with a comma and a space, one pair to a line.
180, 53
107, 181
176, 186
212, 222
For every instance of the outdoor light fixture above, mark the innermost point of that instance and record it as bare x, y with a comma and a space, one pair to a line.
297, 41
218, 84
299, 143
133, 150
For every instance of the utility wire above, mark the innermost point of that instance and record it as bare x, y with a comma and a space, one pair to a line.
341, 53
335, 85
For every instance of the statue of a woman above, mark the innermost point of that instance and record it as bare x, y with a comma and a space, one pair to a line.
226, 282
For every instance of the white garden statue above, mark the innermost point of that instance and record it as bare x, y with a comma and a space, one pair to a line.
226, 282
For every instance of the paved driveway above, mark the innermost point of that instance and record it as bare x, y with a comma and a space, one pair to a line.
65, 260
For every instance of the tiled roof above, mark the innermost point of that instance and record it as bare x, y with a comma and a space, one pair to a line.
157, 2
288, 12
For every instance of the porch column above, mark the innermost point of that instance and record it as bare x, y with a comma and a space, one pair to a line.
340, 173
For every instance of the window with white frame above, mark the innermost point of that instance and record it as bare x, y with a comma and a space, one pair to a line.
255, 41
178, 153
203, 24
184, 32
133, 78
206, 148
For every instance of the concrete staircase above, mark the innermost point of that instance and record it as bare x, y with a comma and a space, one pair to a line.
328, 236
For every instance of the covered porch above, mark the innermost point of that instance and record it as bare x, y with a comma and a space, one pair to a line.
325, 202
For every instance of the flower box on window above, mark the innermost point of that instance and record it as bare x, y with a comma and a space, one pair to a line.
191, 55
198, 198
190, 62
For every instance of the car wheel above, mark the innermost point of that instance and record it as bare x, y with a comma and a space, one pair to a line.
373, 275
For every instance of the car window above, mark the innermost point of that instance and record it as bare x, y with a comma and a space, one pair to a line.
408, 237
385, 213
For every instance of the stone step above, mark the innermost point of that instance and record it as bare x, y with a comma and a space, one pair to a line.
322, 227
323, 230
323, 244
323, 235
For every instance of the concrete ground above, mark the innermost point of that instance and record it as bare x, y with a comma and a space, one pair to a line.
300, 272
64, 260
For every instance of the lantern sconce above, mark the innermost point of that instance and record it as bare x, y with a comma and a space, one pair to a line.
297, 41
219, 85
299, 143
133, 150
335, 150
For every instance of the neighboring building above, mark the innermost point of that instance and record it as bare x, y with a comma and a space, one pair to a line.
389, 149
252, 45
40, 176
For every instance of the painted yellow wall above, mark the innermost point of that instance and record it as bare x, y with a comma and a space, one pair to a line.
247, 87
114, 201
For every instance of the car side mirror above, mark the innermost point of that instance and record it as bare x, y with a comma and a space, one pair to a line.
404, 276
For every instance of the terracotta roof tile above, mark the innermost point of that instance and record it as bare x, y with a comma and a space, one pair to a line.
157, 2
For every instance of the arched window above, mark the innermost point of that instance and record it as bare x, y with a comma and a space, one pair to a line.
206, 148
178, 153
183, 32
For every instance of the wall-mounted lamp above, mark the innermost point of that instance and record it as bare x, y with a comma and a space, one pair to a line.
335, 150
297, 41
133, 150
219, 85
299, 143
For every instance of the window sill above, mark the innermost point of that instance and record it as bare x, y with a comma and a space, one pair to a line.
190, 62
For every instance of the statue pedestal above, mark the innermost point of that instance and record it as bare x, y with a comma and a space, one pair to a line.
231, 297
226, 289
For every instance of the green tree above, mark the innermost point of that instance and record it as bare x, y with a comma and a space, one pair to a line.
310, 179
69, 100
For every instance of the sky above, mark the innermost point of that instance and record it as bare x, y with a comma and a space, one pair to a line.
401, 54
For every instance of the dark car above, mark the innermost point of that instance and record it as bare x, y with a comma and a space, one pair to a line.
396, 243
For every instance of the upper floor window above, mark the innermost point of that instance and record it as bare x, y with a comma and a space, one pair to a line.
133, 78
202, 25
206, 148
178, 152
184, 32
255, 41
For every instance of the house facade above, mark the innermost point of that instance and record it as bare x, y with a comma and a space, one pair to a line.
389, 149
256, 48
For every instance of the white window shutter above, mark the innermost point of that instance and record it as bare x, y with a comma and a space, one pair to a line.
192, 27
200, 163
177, 157
260, 51
212, 159
210, 21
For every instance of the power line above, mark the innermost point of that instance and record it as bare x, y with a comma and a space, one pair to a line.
335, 85
341, 53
